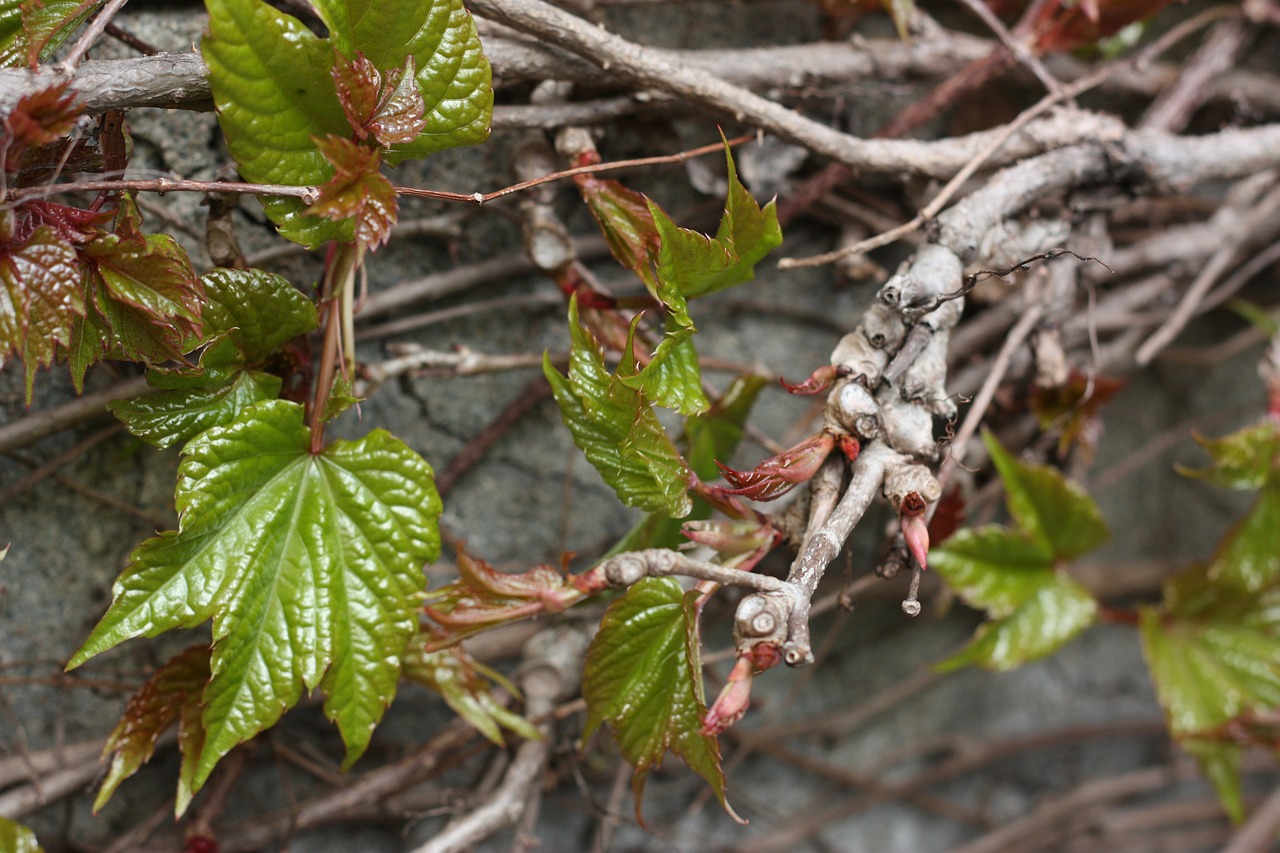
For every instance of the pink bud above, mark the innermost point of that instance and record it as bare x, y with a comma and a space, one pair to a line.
733, 701
818, 381
915, 532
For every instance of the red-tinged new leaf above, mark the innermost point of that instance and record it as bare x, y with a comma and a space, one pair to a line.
40, 299
1073, 409
777, 475
467, 687
31, 30
483, 596
146, 290
643, 677
624, 218
358, 190
399, 118
37, 119
359, 84
1068, 24
73, 224
171, 695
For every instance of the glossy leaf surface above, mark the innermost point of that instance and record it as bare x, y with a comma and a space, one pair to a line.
644, 679
617, 429
307, 564
16, 838
40, 299
275, 95
31, 30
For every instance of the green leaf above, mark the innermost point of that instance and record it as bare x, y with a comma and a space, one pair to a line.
1050, 509
1057, 609
175, 417
1247, 459
31, 30
1267, 322
617, 429
1015, 573
461, 682
16, 838
1248, 556
308, 564
260, 310
452, 72
643, 677
672, 378
699, 265
40, 300
712, 435
1214, 654
717, 433
171, 695
271, 84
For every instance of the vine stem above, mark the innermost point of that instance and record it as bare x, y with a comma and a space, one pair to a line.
340, 273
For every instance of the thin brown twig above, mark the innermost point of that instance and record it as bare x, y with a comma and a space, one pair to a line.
47, 468
90, 35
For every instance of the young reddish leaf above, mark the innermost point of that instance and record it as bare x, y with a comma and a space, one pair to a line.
357, 190
37, 119
1076, 416
270, 80
624, 219
617, 429
820, 380
733, 701
308, 563
915, 530
483, 596
72, 224
16, 838
171, 695
1212, 650
389, 109
777, 475
465, 685
145, 288
643, 677
1054, 511
40, 299
359, 85
1066, 25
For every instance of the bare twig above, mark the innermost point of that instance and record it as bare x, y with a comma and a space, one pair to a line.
51, 466
1258, 835
90, 35
38, 424
1260, 216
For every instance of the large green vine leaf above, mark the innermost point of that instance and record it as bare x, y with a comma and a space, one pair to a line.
275, 96
171, 695
1214, 654
170, 418
308, 565
1016, 573
643, 677
617, 429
